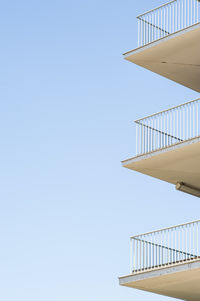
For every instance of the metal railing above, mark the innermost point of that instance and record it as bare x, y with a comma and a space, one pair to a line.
167, 19
169, 127
170, 246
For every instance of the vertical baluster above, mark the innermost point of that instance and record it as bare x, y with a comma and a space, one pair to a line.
175, 20
186, 241
160, 249
180, 122
191, 250
172, 123
137, 255
142, 137
159, 23
139, 138
161, 19
180, 248
153, 133
164, 129
136, 139
190, 120
197, 239
150, 136
173, 126
178, 244
147, 254
177, 125
158, 130
144, 30
193, 117
146, 137
150, 250
149, 28
145, 129
197, 117
143, 253
170, 245
141, 33
194, 251
131, 256
186, 122
134, 255
168, 248
164, 23
163, 243
153, 250
172, 18
188, 15
185, 18
147, 125
138, 32
167, 17
181, 4
175, 246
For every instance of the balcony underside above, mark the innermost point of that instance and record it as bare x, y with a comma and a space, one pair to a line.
176, 57
177, 163
181, 281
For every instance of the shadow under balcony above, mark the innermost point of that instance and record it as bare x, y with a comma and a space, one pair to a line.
169, 42
168, 146
166, 262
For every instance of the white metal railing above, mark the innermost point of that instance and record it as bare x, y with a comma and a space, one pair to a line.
168, 127
170, 246
167, 19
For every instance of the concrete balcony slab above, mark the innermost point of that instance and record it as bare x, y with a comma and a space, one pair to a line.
180, 281
176, 57
177, 163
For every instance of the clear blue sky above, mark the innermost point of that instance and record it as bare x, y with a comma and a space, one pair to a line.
68, 100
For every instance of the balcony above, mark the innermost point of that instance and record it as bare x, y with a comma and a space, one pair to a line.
167, 262
169, 42
168, 146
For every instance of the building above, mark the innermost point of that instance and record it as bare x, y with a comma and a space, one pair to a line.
167, 261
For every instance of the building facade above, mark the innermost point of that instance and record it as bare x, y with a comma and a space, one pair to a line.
167, 261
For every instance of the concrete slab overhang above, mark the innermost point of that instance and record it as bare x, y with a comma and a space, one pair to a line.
177, 163
180, 281
176, 57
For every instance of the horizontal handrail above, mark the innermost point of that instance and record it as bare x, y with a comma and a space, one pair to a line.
165, 229
171, 108
153, 9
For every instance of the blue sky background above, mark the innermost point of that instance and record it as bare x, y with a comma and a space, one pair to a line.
68, 101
